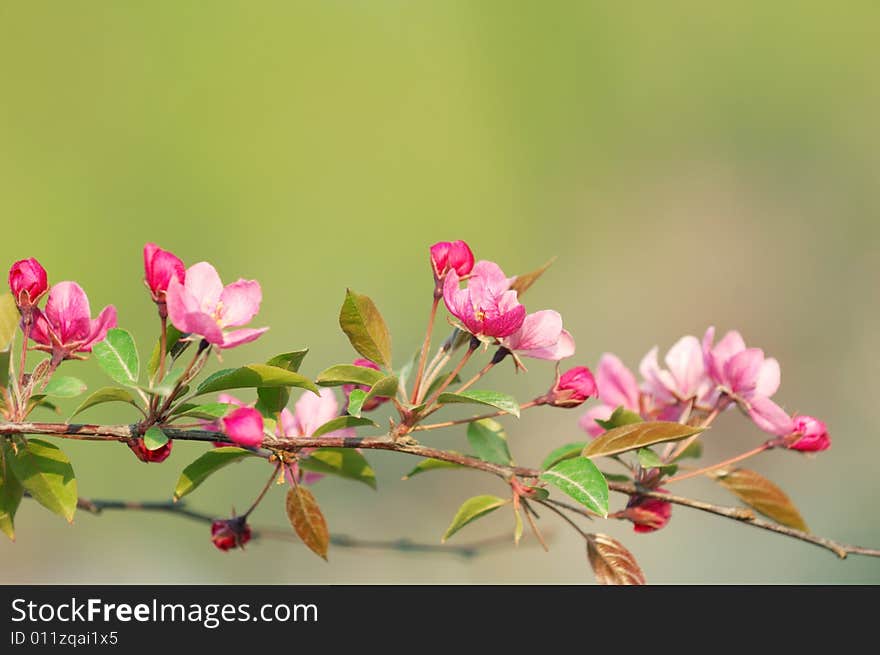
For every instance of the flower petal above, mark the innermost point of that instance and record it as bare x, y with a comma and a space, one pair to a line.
685, 363
617, 384
240, 302
588, 423
98, 328
312, 411
68, 312
239, 337
769, 378
770, 417
203, 282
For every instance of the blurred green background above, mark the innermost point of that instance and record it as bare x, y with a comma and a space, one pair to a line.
688, 164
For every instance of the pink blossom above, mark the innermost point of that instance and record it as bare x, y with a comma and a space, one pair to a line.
66, 326
28, 282
244, 426
541, 336
685, 376
451, 256
204, 307
769, 416
487, 307
310, 412
810, 435
572, 388
372, 403
648, 514
617, 388
159, 267
744, 372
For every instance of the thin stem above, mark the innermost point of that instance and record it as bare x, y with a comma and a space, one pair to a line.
163, 347
184, 379
726, 462
440, 360
425, 346
467, 385
446, 424
263, 492
451, 376
563, 516
26, 331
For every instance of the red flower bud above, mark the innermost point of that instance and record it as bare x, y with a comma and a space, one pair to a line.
244, 426
155, 456
231, 533
810, 435
648, 514
572, 388
160, 266
451, 255
372, 403
28, 282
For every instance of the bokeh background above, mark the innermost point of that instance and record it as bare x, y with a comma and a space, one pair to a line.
688, 164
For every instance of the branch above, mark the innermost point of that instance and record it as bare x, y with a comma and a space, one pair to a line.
124, 433
468, 550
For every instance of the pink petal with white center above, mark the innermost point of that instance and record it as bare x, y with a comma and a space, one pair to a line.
617, 384
240, 302
239, 337
203, 282
769, 378
770, 417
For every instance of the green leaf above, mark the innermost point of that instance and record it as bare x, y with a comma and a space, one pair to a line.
522, 282
254, 375
64, 387
365, 328
45, 404
649, 459
9, 319
693, 451
581, 480
567, 451
172, 336
10, 493
207, 464
289, 361
491, 398
271, 400
4, 368
489, 441
761, 494
539, 493
406, 371
206, 412
384, 388
45, 472
430, 464
344, 462
349, 374
165, 386
617, 477
356, 401
518, 526
471, 510
619, 418
117, 355
638, 435
154, 438
341, 422
105, 395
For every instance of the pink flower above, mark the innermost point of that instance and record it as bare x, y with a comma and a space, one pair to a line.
203, 306
309, 413
541, 336
231, 533
66, 326
810, 435
244, 426
685, 377
451, 256
572, 388
372, 403
744, 372
28, 282
159, 267
487, 307
617, 388
769, 416
648, 514
150, 456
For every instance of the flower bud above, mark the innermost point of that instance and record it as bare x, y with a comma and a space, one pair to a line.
372, 403
648, 514
244, 426
160, 266
572, 388
231, 533
451, 255
28, 282
150, 456
810, 435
